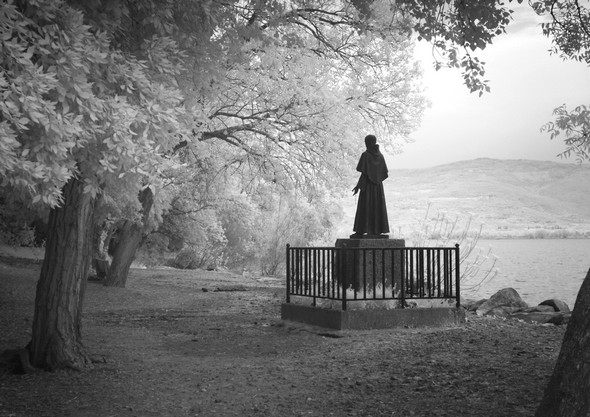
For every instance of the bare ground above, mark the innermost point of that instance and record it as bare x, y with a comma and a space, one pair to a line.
165, 347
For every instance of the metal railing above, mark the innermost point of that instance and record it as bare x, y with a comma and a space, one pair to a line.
351, 274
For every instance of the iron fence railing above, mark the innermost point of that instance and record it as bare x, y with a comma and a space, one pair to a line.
351, 274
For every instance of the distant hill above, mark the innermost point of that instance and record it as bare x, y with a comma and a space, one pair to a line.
508, 198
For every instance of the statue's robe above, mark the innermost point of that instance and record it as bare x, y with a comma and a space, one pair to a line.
371, 211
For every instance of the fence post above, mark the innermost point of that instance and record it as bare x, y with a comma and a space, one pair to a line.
457, 276
343, 275
314, 274
402, 269
288, 274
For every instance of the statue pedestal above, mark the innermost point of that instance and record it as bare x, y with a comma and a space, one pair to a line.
367, 265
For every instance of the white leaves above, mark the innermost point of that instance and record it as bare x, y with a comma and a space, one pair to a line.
91, 189
66, 109
573, 127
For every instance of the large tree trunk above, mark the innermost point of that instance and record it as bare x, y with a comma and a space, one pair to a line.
56, 339
128, 241
568, 392
130, 236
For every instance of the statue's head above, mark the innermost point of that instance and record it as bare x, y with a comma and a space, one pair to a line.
370, 140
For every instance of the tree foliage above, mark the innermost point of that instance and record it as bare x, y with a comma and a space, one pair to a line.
218, 219
569, 31
568, 28
573, 127
294, 84
74, 106
458, 28
287, 86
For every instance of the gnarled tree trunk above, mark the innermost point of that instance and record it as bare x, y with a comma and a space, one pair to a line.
56, 339
128, 241
130, 236
100, 257
568, 392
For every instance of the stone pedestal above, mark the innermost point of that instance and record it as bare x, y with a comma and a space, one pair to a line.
356, 268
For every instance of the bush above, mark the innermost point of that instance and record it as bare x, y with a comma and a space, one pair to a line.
20, 226
197, 258
154, 251
478, 266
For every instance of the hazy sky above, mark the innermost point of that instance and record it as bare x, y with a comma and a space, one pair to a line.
526, 82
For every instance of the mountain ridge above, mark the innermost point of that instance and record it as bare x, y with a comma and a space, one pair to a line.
507, 197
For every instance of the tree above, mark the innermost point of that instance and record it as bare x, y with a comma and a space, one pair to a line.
193, 223
130, 235
287, 78
285, 90
569, 31
456, 29
77, 115
222, 215
567, 391
56, 338
295, 220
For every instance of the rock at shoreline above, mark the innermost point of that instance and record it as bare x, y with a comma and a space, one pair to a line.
540, 317
557, 305
538, 309
507, 303
471, 305
507, 297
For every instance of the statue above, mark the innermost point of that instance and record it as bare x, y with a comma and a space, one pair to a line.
371, 212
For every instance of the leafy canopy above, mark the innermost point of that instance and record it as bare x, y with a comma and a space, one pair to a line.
106, 90
75, 106
569, 31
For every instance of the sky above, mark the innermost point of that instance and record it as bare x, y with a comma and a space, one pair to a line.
527, 84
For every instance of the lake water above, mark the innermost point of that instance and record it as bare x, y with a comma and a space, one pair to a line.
539, 269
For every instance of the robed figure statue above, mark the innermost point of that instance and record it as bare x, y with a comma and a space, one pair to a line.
371, 212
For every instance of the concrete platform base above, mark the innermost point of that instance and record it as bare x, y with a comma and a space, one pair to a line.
373, 319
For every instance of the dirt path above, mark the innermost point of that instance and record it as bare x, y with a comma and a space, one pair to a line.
197, 343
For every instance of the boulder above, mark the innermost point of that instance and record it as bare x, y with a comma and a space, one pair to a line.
473, 305
538, 309
557, 305
507, 297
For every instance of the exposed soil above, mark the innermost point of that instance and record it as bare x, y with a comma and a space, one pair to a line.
198, 343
